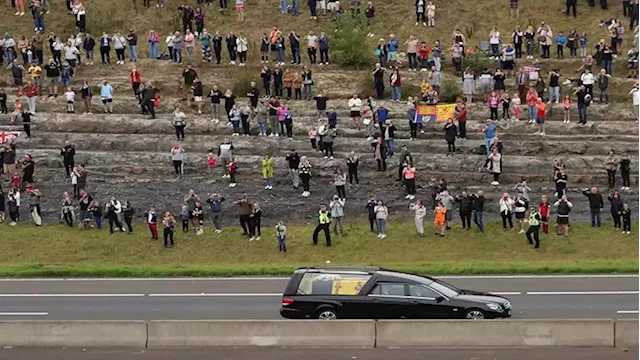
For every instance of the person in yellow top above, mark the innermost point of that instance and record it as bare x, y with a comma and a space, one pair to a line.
425, 86
36, 73
439, 218
267, 171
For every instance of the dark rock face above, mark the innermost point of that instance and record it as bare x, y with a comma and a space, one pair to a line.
128, 156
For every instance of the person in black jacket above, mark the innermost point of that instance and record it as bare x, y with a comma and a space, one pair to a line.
277, 80
625, 170
68, 152
232, 46
595, 205
293, 159
616, 209
128, 212
466, 202
450, 133
217, 46
88, 45
477, 205
626, 219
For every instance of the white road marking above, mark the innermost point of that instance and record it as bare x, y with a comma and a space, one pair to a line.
217, 295
24, 313
627, 311
70, 295
280, 278
582, 293
505, 293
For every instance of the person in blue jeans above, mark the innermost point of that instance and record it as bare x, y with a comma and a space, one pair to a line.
132, 38
596, 204
477, 205
388, 133
153, 40
283, 6
281, 234
489, 131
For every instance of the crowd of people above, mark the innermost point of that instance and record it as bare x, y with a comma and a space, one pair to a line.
268, 107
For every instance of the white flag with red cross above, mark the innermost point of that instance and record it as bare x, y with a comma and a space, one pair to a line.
6, 135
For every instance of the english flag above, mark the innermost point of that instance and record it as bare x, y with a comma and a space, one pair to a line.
6, 135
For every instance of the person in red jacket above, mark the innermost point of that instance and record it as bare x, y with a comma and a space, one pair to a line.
532, 98
544, 214
135, 80
31, 90
461, 117
423, 56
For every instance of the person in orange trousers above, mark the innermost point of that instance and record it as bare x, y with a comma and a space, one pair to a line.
439, 220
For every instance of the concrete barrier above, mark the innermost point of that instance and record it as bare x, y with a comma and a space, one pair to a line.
73, 333
626, 333
506, 333
289, 333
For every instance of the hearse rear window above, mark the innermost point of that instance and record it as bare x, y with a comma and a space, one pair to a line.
332, 284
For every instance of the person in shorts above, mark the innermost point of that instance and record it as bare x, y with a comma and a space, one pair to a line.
106, 95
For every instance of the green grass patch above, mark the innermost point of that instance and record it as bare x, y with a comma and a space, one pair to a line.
54, 250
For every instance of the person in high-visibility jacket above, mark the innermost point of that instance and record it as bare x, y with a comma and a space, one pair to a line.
439, 219
324, 220
534, 227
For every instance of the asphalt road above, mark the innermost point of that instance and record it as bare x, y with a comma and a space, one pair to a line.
596, 296
322, 354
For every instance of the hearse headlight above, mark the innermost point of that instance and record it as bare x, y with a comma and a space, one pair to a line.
494, 306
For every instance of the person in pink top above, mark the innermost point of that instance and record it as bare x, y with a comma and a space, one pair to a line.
211, 162
282, 115
493, 101
409, 175
190, 44
566, 104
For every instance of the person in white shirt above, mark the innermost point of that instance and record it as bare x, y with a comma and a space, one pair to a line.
355, 107
70, 96
588, 79
312, 46
117, 209
71, 54
635, 94
494, 41
506, 210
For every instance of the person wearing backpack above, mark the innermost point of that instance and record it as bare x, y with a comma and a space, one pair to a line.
215, 201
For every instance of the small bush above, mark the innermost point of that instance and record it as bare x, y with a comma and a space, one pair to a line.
349, 47
450, 91
477, 63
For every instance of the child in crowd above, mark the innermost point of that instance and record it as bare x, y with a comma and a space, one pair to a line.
198, 218
70, 96
232, 168
184, 216
566, 104
211, 162
506, 102
281, 234
313, 137
17, 109
626, 219
493, 101
515, 101
544, 213
439, 219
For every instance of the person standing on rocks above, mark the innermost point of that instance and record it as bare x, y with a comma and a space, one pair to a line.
293, 159
68, 153
216, 96
625, 165
179, 123
267, 171
450, 134
494, 165
596, 204
352, 165
340, 180
87, 94
324, 221
177, 156
327, 142
305, 175
106, 95
225, 154
612, 162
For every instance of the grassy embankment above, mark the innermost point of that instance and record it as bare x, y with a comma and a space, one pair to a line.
54, 250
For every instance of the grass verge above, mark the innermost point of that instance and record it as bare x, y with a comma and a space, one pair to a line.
54, 250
